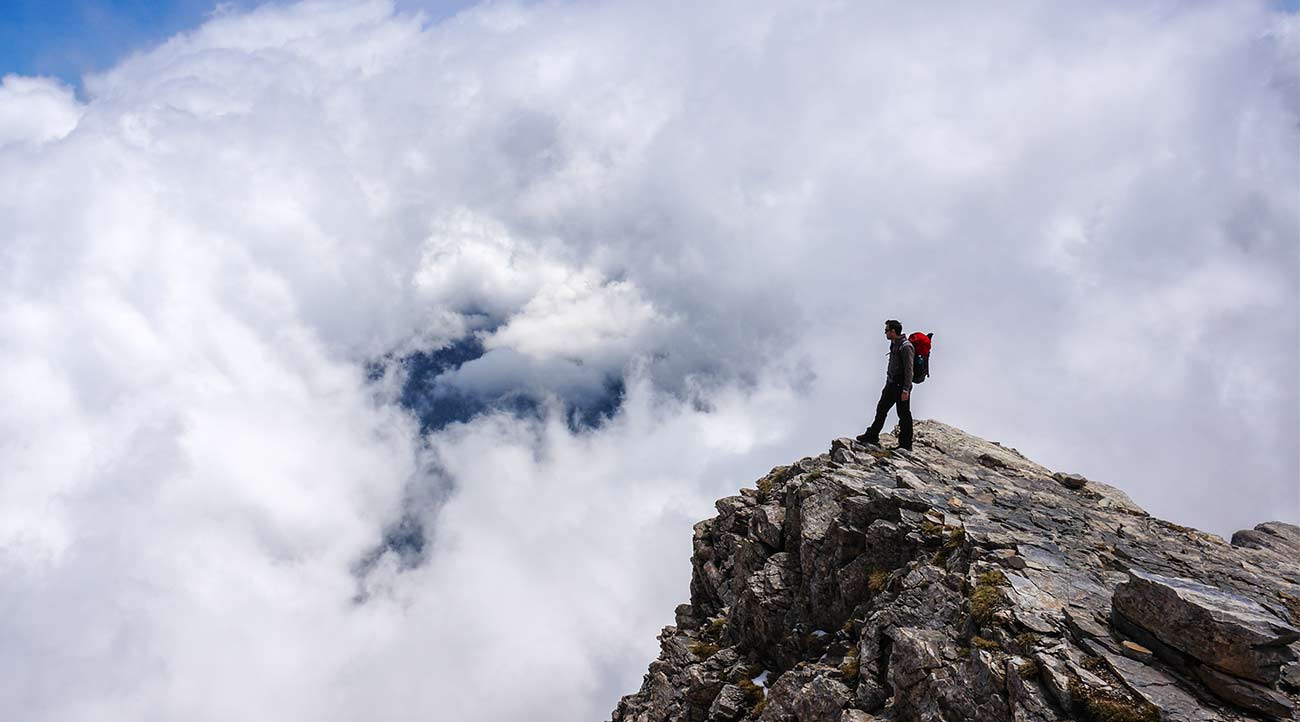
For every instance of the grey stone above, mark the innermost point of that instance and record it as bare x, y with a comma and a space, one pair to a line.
1111, 499
1135, 651
1156, 688
1274, 536
1071, 481
1009, 559
1245, 694
765, 524
907, 480
809, 694
1291, 676
915, 653
1219, 628
1082, 622
701, 684
759, 621
685, 617
1028, 700
731, 703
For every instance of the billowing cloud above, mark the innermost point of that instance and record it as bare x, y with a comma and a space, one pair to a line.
361, 366
35, 110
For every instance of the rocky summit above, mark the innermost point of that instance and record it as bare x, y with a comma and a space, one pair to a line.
962, 582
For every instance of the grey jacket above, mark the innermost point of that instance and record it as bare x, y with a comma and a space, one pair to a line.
901, 356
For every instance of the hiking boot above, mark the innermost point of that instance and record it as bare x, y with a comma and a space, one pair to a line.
867, 440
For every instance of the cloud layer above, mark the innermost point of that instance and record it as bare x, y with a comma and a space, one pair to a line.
227, 275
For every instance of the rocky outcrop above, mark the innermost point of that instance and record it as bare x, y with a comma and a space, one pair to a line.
1275, 536
963, 582
1223, 630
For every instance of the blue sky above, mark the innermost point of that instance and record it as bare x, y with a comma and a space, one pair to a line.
69, 38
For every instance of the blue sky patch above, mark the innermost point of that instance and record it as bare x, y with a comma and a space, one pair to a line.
68, 39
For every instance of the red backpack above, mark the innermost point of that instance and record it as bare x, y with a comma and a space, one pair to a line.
921, 358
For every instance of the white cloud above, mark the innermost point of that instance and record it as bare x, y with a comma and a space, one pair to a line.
35, 110
1094, 209
580, 317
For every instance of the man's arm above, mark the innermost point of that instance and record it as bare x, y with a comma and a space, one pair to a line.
909, 355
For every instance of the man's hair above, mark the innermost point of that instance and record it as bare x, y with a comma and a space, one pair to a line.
894, 325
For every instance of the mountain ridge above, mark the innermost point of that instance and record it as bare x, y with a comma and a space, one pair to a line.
963, 581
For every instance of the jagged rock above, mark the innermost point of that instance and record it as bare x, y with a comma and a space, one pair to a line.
1227, 631
1084, 624
1274, 536
1054, 675
806, 695
761, 621
765, 524
732, 511
656, 702
1291, 676
1009, 558
965, 582
932, 683
1071, 481
1156, 688
1026, 696
730, 704
1111, 499
1244, 694
702, 685
915, 653
813, 511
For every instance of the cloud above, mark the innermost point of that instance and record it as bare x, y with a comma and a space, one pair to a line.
359, 366
35, 110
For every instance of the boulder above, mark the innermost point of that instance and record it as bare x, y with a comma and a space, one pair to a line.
1071, 481
1274, 536
806, 694
1221, 629
765, 524
730, 704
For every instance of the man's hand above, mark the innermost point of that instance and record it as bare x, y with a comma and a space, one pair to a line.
905, 395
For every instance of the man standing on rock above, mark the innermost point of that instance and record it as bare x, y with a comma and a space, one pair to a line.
898, 389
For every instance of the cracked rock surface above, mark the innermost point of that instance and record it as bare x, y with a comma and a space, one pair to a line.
963, 582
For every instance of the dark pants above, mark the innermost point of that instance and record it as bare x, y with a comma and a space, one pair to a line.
888, 397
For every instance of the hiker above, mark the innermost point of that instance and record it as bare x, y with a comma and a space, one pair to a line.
898, 389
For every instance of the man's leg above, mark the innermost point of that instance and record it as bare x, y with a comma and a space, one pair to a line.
905, 424
888, 396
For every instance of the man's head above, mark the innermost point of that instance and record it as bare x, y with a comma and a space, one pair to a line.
893, 329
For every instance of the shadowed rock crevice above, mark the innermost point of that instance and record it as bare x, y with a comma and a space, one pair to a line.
963, 582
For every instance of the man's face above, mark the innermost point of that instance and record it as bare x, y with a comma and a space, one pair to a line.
889, 333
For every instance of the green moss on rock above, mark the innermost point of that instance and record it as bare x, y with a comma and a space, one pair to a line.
704, 650
1103, 706
986, 598
985, 644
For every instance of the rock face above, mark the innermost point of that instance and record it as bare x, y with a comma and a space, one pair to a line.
1223, 630
962, 582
